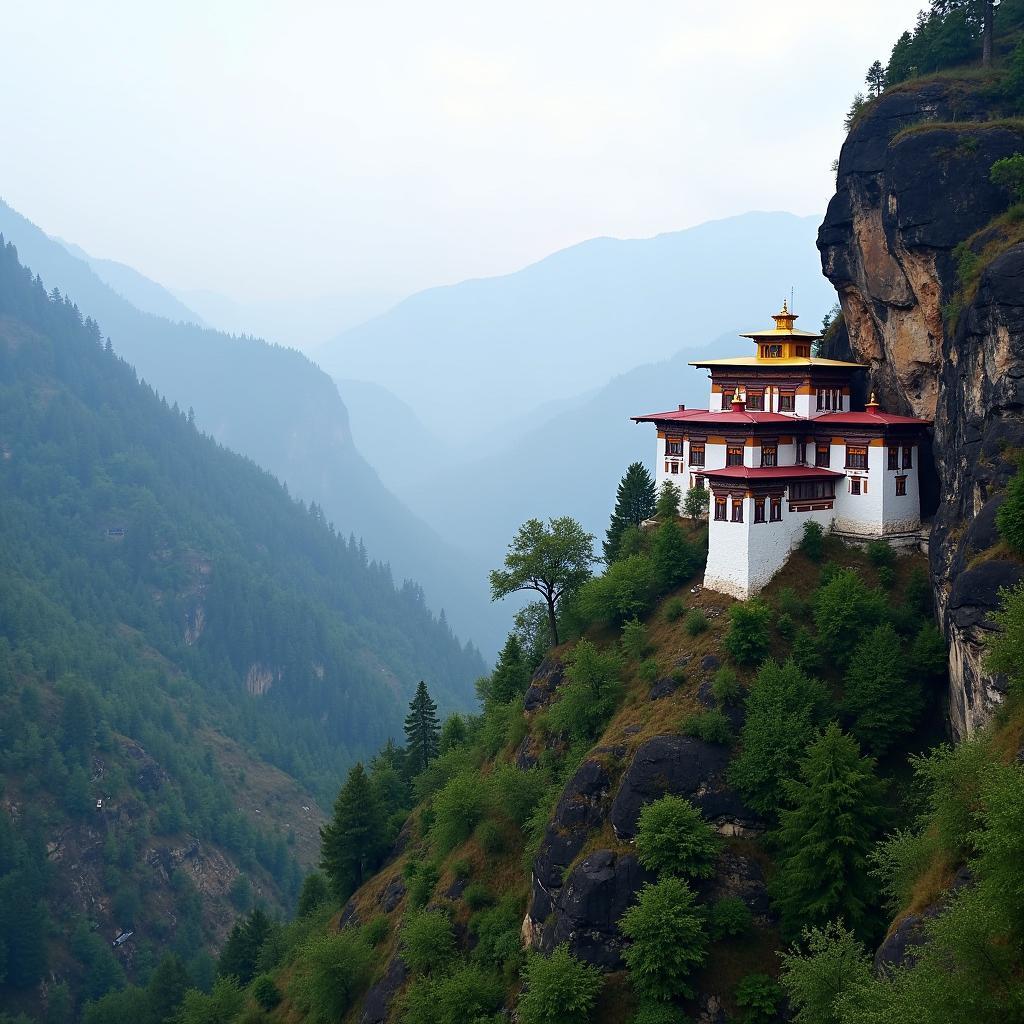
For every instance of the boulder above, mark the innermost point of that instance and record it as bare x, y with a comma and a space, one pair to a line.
586, 913
543, 684
687, 767
392, 894
740, 877
709, 663
377, 1004
663, 688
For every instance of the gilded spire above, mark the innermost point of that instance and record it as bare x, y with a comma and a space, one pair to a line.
873, 404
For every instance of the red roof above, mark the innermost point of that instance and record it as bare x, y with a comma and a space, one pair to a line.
860, 419
770, 473
704, 416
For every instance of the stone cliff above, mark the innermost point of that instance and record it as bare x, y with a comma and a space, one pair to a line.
914, 208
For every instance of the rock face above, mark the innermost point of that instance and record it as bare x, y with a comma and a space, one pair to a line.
904, 200
377, 1005
545, 681
682, 766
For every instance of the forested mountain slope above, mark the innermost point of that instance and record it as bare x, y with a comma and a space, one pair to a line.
274, 406
180, 640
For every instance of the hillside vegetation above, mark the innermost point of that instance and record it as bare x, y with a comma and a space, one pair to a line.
188, 660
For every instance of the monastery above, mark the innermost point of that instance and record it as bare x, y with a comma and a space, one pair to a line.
779, 446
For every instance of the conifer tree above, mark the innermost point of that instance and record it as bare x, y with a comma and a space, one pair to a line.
422, 731
666, 508
350, 844
826, 834
875, 79
511, 675
696, 503
635, 501
674, 558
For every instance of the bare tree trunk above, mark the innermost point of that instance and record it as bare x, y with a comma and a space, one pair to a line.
552, 620
986, 33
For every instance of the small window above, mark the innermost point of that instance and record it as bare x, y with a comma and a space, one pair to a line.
674, 446
908, 457
774, 351
675, 467
894, 457
855, 485
696, 454
787, 403
759, 510
856, 457
697, 482
901, 486
726, 399
720, 509
823, 456
769, 455
776, 510
806, 490
755, 403
734, 456
737, 510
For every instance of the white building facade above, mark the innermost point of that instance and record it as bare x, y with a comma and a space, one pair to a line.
780, 446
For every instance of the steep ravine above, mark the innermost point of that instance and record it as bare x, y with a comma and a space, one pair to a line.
913, 183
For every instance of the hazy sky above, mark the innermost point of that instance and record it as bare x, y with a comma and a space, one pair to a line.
265, 148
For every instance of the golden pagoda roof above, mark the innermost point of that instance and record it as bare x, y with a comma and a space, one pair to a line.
783, 327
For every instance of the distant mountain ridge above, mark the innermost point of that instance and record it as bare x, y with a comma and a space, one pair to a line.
273, 405
474, 356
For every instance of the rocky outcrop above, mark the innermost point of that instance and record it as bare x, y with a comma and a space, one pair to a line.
377, 1004
597, 892
543, 684
905, 198
687, 767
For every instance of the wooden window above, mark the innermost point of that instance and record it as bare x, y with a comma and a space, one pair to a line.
807, 490
755, 403
787, 403
734, 456
820, 399
769, 455
901, 486
759, 510
697, 481
675, 467
696, 454
776, 510
823, 455
737, 510
774, 351
726, 399
856, 456
894, 457
855, 485
908, 456
720, 509
674, 446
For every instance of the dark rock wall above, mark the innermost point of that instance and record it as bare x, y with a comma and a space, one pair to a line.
903, 202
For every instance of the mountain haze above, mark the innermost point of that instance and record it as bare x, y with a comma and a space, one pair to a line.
273, 405
472, 357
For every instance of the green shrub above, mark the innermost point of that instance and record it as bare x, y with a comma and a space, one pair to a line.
726, 687
1010, 515
559, 989
812, 543
918, 594
785, 626
651, 1012
457, 809
265, 991
880, 553
828, 964
729, 917
498, 933
461, 868
330, 972
491, 838
1008, 172
790, 604
672, 838
668, 941
428, 941
673, 557
580, 715
468, 993
696, 622
898, 862
929, 658
376, 930
747, 639
886, 577
624, 591
710, 726
806, 651
634, 640
477, 896
675, 609
758, 996
421, 878
844, 609
649, 670
514, 793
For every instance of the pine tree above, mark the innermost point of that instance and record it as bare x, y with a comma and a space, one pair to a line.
674, 558
666, 508
635, 501
878, 697
511, 676
350, 844
826, 834
422, 731
166, 987
875, 79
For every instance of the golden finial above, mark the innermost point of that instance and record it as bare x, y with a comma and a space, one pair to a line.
873, 403
785, 308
